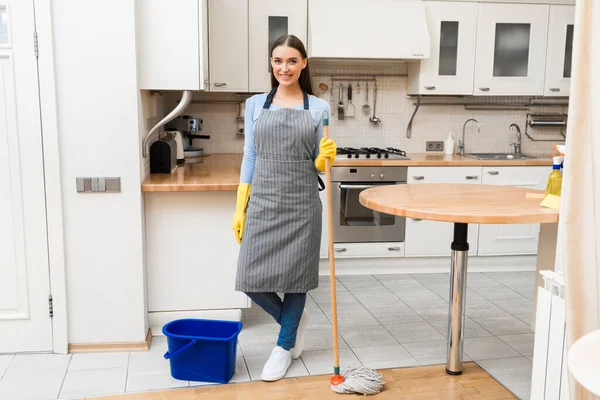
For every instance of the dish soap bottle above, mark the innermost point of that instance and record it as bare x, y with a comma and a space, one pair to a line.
449, 144
554, 185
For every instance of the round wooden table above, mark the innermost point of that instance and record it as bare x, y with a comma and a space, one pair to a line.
583, 361
460, 204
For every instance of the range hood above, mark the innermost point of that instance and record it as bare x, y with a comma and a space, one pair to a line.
368, 29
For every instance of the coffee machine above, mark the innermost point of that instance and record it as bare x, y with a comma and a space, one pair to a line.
190, 128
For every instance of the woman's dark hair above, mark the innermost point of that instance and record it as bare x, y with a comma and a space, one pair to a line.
294, 42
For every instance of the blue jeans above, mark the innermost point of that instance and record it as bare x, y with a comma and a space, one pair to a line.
287, 313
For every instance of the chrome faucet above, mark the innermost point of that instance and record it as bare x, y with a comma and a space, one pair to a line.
517, 144
461, 143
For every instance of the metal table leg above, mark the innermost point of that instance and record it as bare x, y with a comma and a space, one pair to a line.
456, 312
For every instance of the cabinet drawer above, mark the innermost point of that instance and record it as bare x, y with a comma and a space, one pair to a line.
365, 250
433, 239
516, 176
444, 175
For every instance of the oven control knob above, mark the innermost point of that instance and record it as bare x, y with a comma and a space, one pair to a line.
356, 156
382, 176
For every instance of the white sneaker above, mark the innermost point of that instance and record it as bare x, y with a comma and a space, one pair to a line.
277, 365
297, 350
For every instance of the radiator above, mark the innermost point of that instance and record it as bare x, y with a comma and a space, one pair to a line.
549, 379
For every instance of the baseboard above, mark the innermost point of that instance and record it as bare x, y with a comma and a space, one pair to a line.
409, 265
157, 319
112, 347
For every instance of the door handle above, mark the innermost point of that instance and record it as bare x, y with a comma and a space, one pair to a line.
393, 248
417, 219
493, 172
418, 178
471, 177
554, 89
340, 250
484, 89
344, 186
220, 84
430, 87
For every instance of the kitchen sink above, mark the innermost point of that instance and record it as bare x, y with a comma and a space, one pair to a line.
500, 156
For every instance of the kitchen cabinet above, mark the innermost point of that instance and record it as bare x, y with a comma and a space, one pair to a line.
228, 50
511, 239
511, 49
449, 70
560, 50
269, 20
172, 44
368, 250
431, 238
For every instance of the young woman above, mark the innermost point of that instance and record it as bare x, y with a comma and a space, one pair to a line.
278, 212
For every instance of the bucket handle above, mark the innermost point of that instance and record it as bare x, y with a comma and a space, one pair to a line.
181, 350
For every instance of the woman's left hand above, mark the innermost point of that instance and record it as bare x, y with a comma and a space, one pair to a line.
327, 150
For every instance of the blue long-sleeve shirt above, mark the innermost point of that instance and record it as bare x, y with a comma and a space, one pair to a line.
254, 106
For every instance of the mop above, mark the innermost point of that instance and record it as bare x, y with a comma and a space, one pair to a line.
361, 380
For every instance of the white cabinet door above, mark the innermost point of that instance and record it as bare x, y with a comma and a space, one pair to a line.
25, 323
512, 239
511, 49
449, 70
269, 20
560, 50
172, 44
431, 238
228, 50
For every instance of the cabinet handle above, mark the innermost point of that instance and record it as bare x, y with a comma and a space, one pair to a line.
220, 84
430, 87
493, 172
484, 89
418, 178
393, 248
471, 177
417, 219
554, 89
340, 250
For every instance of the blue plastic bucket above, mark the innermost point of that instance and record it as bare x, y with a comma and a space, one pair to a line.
202, 350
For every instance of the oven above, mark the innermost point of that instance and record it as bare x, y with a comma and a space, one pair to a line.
353, 223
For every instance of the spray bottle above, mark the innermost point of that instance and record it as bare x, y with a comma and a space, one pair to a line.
554, 185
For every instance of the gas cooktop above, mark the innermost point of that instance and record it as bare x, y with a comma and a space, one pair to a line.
371, 153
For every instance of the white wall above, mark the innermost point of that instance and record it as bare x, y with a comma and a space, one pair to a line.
98, 110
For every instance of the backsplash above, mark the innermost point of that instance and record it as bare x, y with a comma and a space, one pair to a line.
394, 108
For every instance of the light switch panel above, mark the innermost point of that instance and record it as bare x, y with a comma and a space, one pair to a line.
113, 184
97, 184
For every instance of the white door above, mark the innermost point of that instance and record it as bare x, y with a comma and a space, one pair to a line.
449, 70
560, 50
25, 322
511, 49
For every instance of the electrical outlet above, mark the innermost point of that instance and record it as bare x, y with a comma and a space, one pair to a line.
434, 146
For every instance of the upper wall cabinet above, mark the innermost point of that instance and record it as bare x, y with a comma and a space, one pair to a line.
172, 50
449, 70
511, 49
228, 54
269, 20
560, 50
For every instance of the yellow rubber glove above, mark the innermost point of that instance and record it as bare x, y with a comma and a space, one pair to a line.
327, 149
239, 217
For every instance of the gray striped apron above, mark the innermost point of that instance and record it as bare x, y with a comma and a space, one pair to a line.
282, 235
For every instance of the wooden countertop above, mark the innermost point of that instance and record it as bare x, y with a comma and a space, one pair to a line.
221, 172
216, 172
434, 160
447, 202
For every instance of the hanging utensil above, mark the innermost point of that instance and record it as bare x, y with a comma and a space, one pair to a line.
350, 100
366, 108
341, 103
374, 119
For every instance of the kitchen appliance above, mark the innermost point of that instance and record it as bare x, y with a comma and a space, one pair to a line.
163, 154
190, 127
371, 152
179, 142
354, 223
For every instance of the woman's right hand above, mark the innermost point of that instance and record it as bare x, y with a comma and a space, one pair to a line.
239, 217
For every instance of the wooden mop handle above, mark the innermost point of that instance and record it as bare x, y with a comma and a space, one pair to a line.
336, 356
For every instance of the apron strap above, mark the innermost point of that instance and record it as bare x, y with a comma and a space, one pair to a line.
305, 100
271, 94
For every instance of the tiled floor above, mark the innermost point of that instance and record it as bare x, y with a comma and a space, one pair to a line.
385, 321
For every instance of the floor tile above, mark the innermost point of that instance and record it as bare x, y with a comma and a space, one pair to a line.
398, 278
503, 325
395, 315
389, 356
483, 309
356, 278
256, 363
348, 318
521, 391
383, 299
343, 300
422, 297
488, 348
432, 312
148, 362
523, 343
362, 286
367, 336
529, 274
472, 329
430, 353
510, 278
495, 292
321, 362
94, 382
241, 371
414, 332
321, 339
4, 362
509, 371
41, 385
317, 320
83, 361
432, 278
145, 381
478, 277
24, 364
515, 306
526, 318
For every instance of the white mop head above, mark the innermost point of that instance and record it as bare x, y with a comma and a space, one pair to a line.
361, 380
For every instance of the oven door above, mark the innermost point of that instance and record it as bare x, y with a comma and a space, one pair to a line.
354, 223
